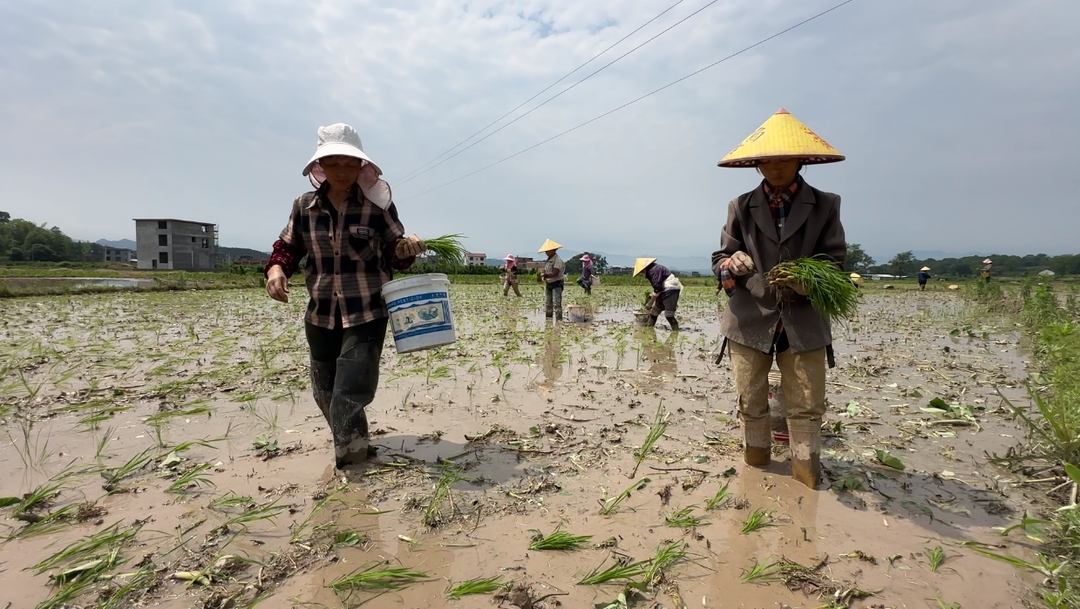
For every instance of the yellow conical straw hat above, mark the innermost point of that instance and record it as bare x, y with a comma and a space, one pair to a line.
641, 263
925, 268
781, 137
548, 246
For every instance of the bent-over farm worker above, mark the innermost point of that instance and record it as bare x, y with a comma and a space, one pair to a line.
510, 279
784, 218
924, 276
348, 228
666, 290
554, 280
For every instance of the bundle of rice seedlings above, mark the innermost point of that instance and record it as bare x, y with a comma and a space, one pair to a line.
446, 249
830, 290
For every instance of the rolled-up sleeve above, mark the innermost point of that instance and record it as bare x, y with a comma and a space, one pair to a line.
289, 249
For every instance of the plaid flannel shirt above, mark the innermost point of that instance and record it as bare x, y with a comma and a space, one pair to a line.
780, 208
350, 255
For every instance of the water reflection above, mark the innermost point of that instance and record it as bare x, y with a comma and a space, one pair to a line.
552, 359
659, 355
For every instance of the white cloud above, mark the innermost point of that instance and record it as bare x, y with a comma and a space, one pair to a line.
954, 116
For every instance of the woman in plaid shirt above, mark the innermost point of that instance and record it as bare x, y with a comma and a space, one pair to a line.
349, 231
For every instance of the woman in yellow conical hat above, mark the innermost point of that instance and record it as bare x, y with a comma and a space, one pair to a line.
782, 218
554, 279
924, 276
666, 291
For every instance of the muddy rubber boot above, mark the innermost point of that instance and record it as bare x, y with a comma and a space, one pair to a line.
757, 442
674, 323
652, 321
354, 388
322, 385
805, 451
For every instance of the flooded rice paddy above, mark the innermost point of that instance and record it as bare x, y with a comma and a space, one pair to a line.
163, 449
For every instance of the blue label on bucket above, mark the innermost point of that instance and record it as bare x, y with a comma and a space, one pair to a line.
420, 316
393, 304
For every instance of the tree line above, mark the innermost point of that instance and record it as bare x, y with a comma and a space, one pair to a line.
906, 264
24, 241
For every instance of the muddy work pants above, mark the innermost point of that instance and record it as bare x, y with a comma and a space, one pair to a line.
553, 300
511, 283
344, 376
802, 379
666, 304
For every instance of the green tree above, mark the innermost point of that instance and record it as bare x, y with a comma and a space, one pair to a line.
903, 263
857, 260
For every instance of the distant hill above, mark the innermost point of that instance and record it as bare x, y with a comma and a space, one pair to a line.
233, 253
122, 243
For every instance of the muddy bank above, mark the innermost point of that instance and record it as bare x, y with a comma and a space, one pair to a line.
517, 428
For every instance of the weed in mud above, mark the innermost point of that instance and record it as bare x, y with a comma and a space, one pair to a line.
557, 540
656, 431
377, 575
936, 556
719, 499
478, 585
617, 571
759, 519
1058, 428
683, 519
608, 506
761, 573
946, 605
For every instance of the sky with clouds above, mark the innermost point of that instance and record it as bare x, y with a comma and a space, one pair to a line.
958, 118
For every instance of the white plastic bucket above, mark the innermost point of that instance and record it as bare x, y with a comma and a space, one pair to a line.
419, 308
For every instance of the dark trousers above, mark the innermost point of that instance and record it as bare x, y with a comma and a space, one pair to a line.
344, 377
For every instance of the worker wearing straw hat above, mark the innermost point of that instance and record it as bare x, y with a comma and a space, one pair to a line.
585, 281
666, 290
510, 279
348, 228
554, 280
856, 279
924, 276
783, 218
985, 273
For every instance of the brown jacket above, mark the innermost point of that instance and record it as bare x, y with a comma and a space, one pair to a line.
813, 227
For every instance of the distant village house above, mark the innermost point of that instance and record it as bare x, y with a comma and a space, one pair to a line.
472, 259
102, 253
170, 244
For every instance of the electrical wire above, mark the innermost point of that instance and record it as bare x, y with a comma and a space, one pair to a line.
410, 175
634, 101
544, 103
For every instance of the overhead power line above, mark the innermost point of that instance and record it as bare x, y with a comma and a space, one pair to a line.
410, 175
553, 97
634, 101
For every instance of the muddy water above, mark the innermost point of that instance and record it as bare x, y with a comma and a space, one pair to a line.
542, 423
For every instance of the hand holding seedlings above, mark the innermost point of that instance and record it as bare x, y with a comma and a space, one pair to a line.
409, 247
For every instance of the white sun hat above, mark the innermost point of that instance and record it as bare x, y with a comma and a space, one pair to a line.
340, 139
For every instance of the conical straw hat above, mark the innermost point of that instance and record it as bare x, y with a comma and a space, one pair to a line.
781, 137
548, 246
925, 268
855, 276
988, 261
641, 263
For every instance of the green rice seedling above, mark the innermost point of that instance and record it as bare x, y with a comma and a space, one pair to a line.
255, 513
103, 441
761, 573
602, 575
682, 519
114, 476
557, 540
446, 249
34, 452
449, 475
830, 290
656, 431
376, 575
138, 580
719, 499
1047, 566
478, 585
192, 477
667, 554
230, 500
608, 506
936, 556
759, 519
113, 536
167, 415
945, 604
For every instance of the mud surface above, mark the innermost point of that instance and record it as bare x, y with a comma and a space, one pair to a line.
186, 420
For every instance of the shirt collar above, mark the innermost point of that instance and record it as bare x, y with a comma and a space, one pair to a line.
788, 194
320, 196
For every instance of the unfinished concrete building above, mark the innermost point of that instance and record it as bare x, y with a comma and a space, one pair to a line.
170, 244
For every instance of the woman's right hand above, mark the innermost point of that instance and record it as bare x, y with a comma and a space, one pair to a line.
277, 284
